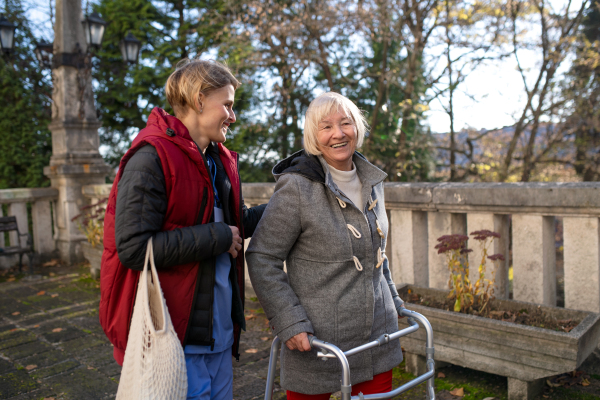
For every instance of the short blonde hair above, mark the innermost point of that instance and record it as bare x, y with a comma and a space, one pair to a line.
324, 105
192, 77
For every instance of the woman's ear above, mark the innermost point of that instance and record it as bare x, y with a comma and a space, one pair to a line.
200, 102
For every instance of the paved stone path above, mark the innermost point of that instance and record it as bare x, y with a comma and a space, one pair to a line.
52, 347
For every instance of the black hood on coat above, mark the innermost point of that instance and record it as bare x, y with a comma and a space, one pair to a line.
304, 164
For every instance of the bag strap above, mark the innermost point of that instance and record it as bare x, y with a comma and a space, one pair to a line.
145, 296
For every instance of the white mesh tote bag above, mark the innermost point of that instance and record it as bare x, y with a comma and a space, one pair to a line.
154, 364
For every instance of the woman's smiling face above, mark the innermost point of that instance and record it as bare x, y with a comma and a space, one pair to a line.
337, 137
217, 113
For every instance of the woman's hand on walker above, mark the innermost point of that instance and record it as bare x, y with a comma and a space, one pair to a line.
400, 310
236, 243
299, 342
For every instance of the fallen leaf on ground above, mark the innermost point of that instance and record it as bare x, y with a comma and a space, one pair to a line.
54, 295
15, 329
41, 293
36, 326
52, 274
552, 384
441, 375
585, 382
57, 330
11, 279
252, 351
61, 286
247, 317
489, 398
30, 367
460, 392
90, 367
50, 263
49, 398
264, 338
16, 313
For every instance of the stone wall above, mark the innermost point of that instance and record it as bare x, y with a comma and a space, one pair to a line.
523, 213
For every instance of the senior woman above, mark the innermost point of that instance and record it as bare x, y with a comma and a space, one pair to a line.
327, 221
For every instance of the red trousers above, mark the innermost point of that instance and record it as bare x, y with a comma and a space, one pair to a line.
381, 383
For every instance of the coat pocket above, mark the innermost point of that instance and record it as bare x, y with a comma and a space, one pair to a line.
322, 313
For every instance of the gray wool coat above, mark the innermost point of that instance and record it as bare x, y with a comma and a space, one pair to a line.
324, 292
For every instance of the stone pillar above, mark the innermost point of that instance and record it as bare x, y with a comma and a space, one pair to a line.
75, 158
534, 259
439, 224
415, 364
408, 245
524, 390
42, 227
582, 263
499, 224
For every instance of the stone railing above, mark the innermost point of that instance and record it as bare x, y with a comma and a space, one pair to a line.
523, 213
42, 202
95, 193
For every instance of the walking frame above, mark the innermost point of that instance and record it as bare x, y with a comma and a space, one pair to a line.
328, 350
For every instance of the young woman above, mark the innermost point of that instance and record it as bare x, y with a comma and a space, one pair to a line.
180, 186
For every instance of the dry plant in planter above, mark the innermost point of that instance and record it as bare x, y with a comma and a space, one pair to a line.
470, 295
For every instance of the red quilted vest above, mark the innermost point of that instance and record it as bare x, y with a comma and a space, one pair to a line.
186, 181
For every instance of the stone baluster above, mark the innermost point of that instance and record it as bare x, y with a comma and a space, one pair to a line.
19, 210
534, 259
43, 239
499, 224
408, 247
5, 262
439, 224
582, 263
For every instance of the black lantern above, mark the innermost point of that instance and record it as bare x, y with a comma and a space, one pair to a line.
7, 35
43, 52
130, 48
93, 29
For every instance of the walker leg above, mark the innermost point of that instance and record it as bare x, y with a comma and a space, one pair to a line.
272, 368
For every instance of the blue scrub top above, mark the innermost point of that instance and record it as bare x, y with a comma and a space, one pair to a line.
222, 322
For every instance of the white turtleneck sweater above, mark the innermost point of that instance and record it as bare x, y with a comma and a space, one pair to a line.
349, 183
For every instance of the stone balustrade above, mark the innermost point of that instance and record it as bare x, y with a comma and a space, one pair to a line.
42, 202
523, 213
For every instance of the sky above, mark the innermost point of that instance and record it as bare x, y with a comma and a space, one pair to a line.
495, 90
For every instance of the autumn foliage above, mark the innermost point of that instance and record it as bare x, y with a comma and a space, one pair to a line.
471, 294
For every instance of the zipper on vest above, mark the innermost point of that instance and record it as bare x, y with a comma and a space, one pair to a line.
202, 207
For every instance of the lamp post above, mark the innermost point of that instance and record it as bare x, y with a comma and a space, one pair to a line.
93, 29
7, 35
75, 160
130, 48
43, 52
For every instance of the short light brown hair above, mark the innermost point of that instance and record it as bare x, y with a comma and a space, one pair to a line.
192, 77
325, 105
